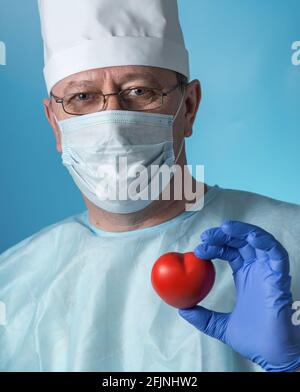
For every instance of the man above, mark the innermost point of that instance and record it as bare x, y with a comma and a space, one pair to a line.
78, 294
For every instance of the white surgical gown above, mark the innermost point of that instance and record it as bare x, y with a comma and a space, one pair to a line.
80, 299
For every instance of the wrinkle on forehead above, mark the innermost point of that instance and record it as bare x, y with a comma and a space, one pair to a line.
120, 74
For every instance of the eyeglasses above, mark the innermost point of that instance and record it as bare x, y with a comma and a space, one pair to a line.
133, 98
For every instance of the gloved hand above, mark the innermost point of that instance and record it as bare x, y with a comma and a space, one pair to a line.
260, 326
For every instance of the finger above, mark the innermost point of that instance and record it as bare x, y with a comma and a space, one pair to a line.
232, 255
262, 241
207, 321
216, 236
248, 253
277, 254
239, 229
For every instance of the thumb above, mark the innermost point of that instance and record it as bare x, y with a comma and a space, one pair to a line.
207, 321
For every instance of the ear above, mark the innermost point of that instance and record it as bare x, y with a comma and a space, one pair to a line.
192, 102
53, 123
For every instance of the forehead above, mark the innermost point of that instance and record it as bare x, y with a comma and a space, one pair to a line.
118, 75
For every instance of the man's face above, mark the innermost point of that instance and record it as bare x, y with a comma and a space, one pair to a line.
113, 79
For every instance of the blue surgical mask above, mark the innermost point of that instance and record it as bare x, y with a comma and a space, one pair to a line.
95, 146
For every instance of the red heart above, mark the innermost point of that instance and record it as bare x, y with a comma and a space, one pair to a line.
182, 279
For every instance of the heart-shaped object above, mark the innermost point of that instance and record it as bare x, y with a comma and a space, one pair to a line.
182, 279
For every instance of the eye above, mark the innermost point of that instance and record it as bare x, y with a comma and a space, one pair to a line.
138, 91
83, 96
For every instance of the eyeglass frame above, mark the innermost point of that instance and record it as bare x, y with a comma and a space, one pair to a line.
163, 94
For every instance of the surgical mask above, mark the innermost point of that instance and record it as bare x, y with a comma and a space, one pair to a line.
96, 148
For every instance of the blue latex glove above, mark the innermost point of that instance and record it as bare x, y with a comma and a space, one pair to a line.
260, 326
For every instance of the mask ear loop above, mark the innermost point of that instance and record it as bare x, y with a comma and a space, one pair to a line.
180, 150
174, 118
179, 107
55, 118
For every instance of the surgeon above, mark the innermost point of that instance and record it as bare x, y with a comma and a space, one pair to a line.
78, 295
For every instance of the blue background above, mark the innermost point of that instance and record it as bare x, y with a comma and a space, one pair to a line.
247, 129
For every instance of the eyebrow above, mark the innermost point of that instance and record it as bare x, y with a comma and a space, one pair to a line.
80, 83
129, 75
141, 75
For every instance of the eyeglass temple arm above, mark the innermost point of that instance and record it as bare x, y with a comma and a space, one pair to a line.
173, 88
57, 99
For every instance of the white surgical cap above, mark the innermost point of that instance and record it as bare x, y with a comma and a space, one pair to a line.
80, 35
